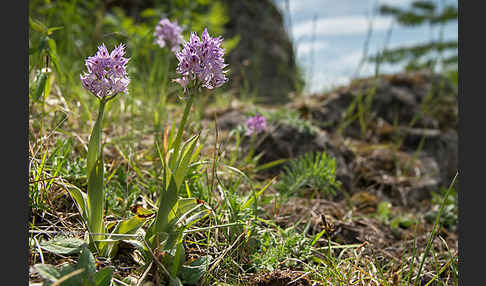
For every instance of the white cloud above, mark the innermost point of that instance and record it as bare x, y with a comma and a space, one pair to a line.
395, 2
306, 47
338, 72
345, 25
350, 60
322, 81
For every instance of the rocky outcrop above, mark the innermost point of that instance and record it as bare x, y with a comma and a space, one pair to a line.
264, 56
402, 129
406, 150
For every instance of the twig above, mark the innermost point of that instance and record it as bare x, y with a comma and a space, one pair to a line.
144, 274
156, 260
300, 277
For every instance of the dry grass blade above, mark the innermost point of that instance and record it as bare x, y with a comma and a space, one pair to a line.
220, 258
155, 259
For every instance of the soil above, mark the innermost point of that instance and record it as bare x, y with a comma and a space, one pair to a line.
280, 278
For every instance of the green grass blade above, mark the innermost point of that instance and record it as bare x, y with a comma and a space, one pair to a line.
316, 238
434, 230
270, 164
257, 195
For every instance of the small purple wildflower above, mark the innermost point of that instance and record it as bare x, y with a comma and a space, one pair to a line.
201, 59
168, 33
255, 124
107, 75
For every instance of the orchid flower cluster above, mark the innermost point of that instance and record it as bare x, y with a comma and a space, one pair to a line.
201, 63
255, 124
201, 59
107, 75
168, 33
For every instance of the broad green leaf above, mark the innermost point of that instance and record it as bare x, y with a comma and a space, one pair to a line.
109, 226
109, 246
170, 139
48, 271
129, 226
72, 276
172, 214
53, 53
83, 273
192, 273
52, 29
40, 86
81, 200
63, 245
196, 153
96, 199
180, 173
103, 277
174, 221
137, 244
47, 87
143, 212
94, 168
166, 203
38, 26
52, 45
166, 171
190, 221
86, 261
185, 204
179, 257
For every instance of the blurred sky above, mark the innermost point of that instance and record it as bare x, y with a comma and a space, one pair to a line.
332, 58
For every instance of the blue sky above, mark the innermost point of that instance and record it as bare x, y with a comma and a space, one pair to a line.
341, 29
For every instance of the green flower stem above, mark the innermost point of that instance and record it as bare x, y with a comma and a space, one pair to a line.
180, 130
169, 194
95, 195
